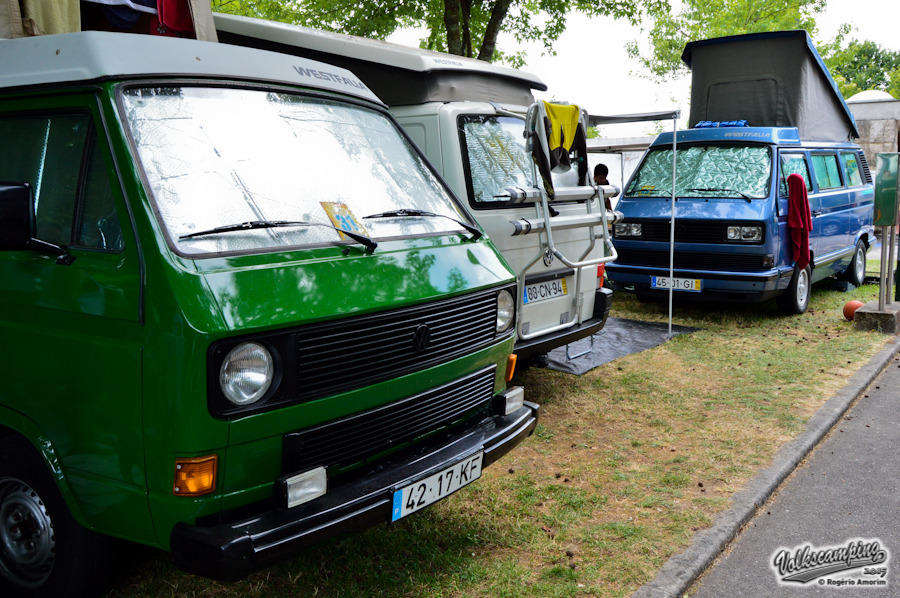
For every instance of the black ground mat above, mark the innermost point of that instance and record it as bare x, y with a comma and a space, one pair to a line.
618, 338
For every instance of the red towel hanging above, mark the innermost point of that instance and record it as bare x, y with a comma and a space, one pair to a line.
799, 219
175, 14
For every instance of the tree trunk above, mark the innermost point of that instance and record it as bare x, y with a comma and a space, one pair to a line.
489, 44
451, 24
467, 28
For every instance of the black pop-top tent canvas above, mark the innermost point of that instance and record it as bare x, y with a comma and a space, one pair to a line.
774, 79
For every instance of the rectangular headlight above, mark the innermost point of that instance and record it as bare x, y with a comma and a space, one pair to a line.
751, 233
744, 234
627, 229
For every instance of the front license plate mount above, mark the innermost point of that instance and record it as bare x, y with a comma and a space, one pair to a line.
542, 291
694, 285
418, 495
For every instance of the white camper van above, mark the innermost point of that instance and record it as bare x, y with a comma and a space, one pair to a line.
467, 116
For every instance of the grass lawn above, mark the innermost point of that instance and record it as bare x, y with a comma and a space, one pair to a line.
628, 462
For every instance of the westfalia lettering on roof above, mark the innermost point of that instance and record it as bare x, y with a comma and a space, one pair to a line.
101, 55
326, 76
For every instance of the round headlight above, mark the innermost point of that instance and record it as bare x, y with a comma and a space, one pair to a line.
246, 373
506, 310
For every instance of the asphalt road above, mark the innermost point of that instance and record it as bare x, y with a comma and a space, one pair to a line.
846, 493
837, 486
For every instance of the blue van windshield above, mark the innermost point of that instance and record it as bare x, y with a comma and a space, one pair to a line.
729, 171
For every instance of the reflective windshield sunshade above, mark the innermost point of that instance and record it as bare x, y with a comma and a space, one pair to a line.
221, 158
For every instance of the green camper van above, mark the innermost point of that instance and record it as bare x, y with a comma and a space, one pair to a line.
240, 312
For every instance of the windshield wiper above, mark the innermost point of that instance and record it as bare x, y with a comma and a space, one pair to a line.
742, 194
407, 213
369, 244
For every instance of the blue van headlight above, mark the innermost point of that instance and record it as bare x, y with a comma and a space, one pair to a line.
744, 234
246, 373
627, 229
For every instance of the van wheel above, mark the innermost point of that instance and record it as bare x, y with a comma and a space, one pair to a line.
44, 553
855, 273
795, 298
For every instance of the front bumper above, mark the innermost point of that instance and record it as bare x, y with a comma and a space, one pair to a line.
526, 349
758, 286
232, 547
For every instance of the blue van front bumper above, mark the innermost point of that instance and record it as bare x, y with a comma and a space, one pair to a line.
715, 286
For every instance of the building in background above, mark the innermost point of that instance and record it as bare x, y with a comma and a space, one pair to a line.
877, 116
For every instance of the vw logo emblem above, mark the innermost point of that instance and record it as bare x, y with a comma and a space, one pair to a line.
548, 257
421, 338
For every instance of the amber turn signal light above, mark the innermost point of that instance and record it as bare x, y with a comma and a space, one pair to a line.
196, 476
511, 366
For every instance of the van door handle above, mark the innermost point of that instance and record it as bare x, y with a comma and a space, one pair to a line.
817, 212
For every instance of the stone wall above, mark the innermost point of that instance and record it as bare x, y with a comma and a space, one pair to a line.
878, 136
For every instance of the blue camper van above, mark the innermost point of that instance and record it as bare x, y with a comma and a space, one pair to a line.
763, 107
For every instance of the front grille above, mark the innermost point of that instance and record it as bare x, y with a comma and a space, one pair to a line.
349, 441
716, 262
354, 352
688, 231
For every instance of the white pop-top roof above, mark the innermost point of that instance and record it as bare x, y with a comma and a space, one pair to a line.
368, 50
97, 55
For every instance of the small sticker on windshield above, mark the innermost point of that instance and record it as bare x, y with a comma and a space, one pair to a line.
342, 217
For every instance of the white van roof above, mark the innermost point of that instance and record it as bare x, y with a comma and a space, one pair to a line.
99, 55
398, 74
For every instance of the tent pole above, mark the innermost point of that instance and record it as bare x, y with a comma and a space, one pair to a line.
672, 222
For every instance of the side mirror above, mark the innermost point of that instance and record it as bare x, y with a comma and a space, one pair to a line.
17, 228
16, 216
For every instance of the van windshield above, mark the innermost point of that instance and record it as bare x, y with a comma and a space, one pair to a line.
729, 171
218, 157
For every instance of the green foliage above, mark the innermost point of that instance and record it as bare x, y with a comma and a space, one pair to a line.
273, 10
463, 27
863, 65
704, 19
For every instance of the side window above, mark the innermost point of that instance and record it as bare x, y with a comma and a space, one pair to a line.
495, 157
851, 167
793, 164
828, 174
97, 225
58, 155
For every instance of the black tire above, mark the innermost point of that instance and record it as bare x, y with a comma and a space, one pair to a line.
44, 553
855, 273
795, 298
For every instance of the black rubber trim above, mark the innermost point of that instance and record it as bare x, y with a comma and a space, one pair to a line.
230, 551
